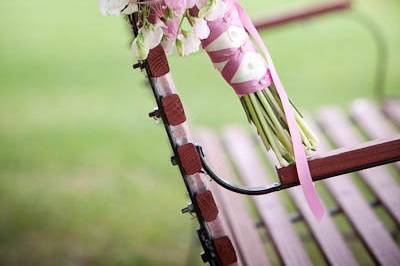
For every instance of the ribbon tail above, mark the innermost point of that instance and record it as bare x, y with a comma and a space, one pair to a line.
302, 167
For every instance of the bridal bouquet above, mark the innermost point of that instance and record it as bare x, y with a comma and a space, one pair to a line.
225, 32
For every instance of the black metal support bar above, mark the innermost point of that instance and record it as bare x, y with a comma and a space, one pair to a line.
235, 188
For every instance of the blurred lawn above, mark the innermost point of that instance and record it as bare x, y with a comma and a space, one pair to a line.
84, 174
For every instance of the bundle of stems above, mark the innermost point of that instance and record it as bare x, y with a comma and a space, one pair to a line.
264, 109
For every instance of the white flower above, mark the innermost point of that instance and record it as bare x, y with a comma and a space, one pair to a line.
130, 9
153, 37
201, 3
217, 10
146, 40
138, 49
168, 45
201, 29
191, 44
116, 7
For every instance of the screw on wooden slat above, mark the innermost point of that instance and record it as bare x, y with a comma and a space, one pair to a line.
155, 114
204, 257
139, 65
174, 160
188, 209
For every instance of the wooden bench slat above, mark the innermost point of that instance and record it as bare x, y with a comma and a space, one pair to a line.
302, 14
243, 230
345, 160
392, 108
379, 179
370, 229
270, 208
372, 120
327, 236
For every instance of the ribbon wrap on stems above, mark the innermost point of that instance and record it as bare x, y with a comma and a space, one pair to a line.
247, 71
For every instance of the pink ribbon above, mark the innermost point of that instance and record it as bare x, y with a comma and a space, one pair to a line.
237, 16
234, 57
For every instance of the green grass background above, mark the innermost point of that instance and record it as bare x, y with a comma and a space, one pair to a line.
85, 177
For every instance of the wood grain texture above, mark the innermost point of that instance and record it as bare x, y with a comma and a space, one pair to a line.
248, 243
207, 206
197, 182
373, 121
157, 62
273, 214
328, 238
189, 158
173, 109
302, 14
379, 179
345, 160
225, 250
366, 224
391, 107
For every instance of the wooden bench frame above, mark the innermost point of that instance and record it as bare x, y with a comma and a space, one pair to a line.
302, 14
221, 239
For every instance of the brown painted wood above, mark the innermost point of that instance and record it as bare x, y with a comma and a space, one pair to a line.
207, 206
366, 224
345, 160
270, 208
372, 121
173, 109
197, 182
225, 250
249, 246
328, 237
302, 14
157, 61
392, 109
189, 158
379, 179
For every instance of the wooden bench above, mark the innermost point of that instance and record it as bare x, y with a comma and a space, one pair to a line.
363, 223
362, 226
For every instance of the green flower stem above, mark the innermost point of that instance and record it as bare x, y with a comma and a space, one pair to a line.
264, 110
274, 103
253, 117
279, 129
271, 136
307, 131
245, 108
265, 115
